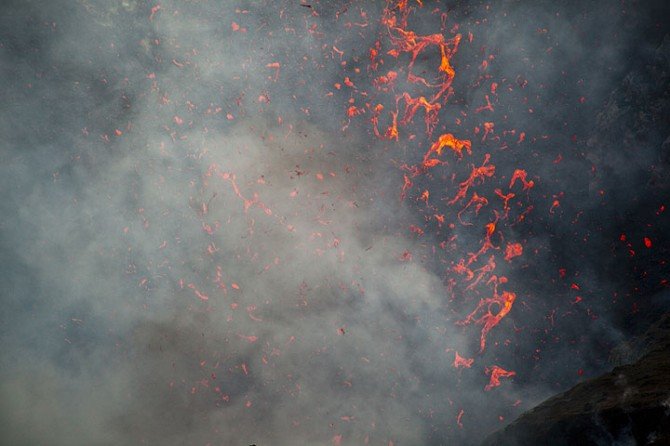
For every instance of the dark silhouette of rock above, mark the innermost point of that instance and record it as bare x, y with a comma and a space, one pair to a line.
628, 406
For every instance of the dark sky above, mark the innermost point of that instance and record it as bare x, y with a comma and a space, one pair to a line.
199, 246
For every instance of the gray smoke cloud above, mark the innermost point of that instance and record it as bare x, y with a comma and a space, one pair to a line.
195, 252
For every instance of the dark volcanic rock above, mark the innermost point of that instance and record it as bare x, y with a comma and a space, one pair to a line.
631, 351
630, 405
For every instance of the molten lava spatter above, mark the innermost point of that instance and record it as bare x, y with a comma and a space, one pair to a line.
475, 266
496, 373
447, 175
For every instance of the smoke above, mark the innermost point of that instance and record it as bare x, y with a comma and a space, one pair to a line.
199, 247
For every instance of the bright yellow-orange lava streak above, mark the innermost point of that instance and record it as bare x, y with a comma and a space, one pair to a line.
501, 301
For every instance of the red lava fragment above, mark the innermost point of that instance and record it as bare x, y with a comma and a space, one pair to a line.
450, 141
497, 373
503, 302
513, 250
459, 417
354, 111
392, 130
385, 81
154, 10
478, 173
391, 114
249, 339
275, 66
461, 362
505, 199
520, 174
647, 242
405, 187
488, 105
416, 230
478, 202
488, 128
200, 295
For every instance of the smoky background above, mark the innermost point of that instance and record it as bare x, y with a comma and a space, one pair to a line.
151, 158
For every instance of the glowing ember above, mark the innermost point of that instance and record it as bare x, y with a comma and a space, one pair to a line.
490, 318
448, 140
513, 250
323, 198
496, 373
461, 362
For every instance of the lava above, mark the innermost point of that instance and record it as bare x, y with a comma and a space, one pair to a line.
520, 174
478, 174
450, 141
513, 250
496, 373
468, 198
461, 362
502, 302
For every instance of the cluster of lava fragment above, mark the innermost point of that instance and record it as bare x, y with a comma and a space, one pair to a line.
450, 173
471, 273
480, 204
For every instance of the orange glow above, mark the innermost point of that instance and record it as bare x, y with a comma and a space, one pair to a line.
475, 206
496, 373
505, 199
449, 140
520, 174
392, 131
405, 187
478, 173
502, 302
461, 362
513, 250
478, 202
412, 106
